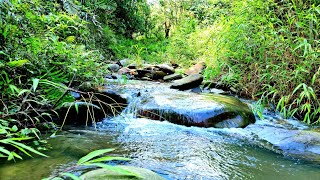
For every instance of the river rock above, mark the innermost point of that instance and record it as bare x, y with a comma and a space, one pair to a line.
196, 110
196, 69
172, 77
111, 76
303, 144
166, 68
124, 70
156, 75
124, 62
188, 82
106, 174
132, 66
113, 67
104, 103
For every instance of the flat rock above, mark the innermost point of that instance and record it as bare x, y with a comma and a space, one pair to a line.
172, 77
196, 110
106, 174
195, 69
303, 144
188, 82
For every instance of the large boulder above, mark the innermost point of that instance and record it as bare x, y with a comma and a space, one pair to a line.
188, 82
106, 174
196, 109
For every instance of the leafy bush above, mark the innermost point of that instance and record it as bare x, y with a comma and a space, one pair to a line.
43, 50
270, 50
264, 49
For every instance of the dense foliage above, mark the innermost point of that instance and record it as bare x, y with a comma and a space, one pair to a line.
46, 47
267, 50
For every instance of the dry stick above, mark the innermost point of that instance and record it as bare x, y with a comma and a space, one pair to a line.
104, 112
21, 112
64, 120
113, 108
88, 110
5, 106
91, 114
92, 110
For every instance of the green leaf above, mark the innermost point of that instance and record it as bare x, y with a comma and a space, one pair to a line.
3, 131
35, 82
76, 105
14, 128
5, 151
23, 146
14, 89
70, 175
93, 155
23, 91
17, 63
16, 155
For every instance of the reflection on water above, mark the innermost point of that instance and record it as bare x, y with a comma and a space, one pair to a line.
173, 151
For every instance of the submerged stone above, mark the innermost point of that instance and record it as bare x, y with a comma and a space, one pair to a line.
303, 144
106, 174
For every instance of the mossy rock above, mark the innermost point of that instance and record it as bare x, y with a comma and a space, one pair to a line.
105, 174
199, 110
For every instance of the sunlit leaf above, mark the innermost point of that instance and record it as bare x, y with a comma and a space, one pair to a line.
35, 82
17, 63
93, 155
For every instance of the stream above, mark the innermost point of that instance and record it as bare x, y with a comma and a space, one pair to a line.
173, 151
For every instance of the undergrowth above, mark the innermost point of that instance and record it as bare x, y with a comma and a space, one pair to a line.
267, 50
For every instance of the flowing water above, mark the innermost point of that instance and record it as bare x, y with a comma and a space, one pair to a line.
172, 151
